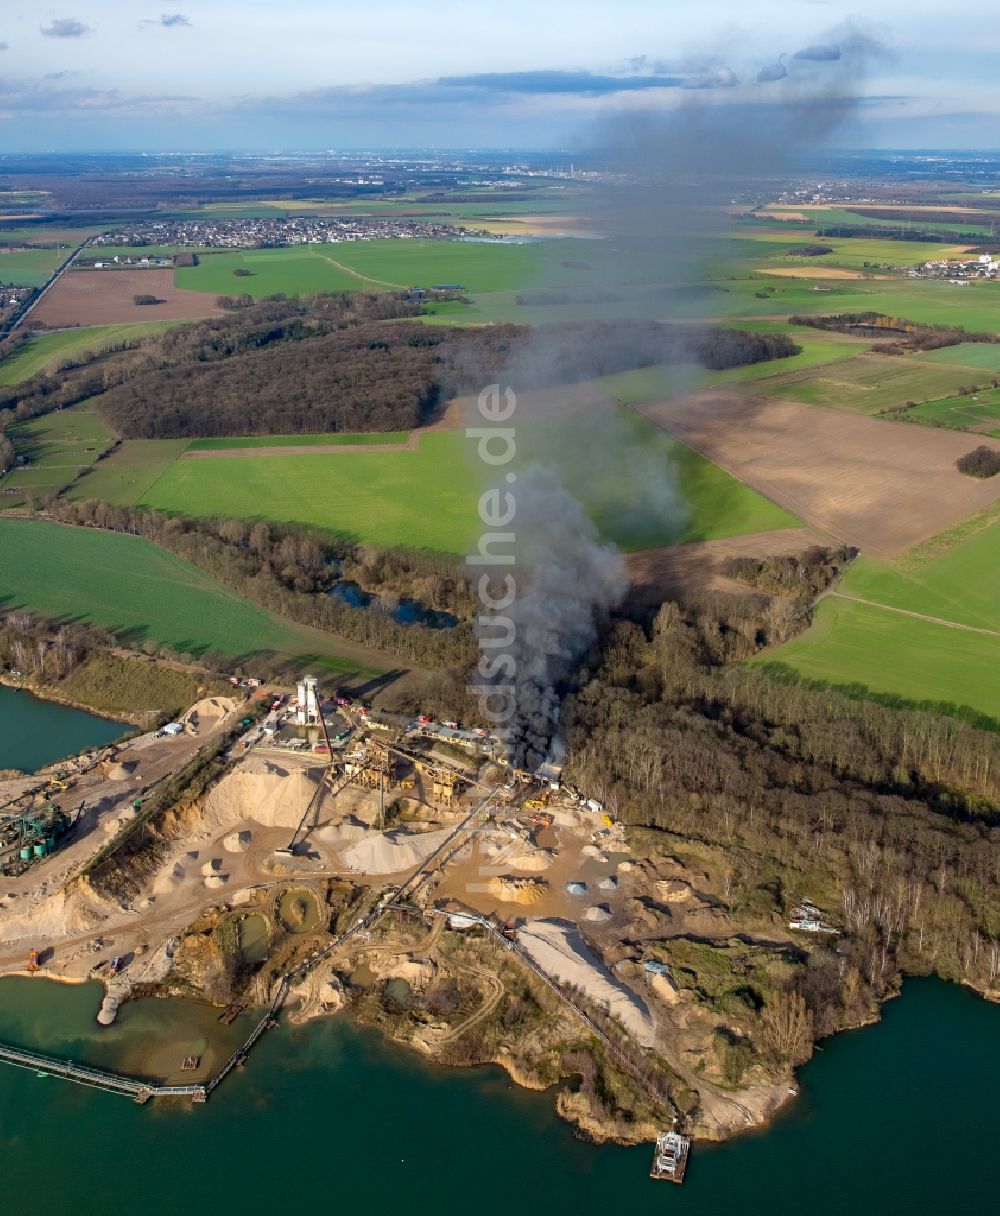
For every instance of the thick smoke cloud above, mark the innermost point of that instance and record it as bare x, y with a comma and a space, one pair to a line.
666, 197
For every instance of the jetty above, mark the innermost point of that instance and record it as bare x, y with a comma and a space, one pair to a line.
98, 1078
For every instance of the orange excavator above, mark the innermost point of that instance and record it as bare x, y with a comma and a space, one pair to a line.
33, 961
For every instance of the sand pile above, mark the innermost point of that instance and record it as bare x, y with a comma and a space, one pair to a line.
665, 988
117, 822
120, 770
557, 947
390, 852
237, 842
212, 867
274, 795
593, 853
533, 860
169, 879
598, 912
339, 835
608, 884
513, 890
208, 712
214, 881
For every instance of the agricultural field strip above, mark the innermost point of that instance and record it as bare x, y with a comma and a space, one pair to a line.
920, 616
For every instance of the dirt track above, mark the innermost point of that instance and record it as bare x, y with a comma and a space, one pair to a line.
882, 486
104, 297
302, 449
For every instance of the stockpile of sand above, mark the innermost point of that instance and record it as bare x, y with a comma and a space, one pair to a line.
339, 835
390, 852
608, 884
593, 853
117, 822
665, 988
214, 881
208, 712
118, 770
212, 867
514, 890
557, 947
270, 794
169, 878
598, 912
237, 842
533, 860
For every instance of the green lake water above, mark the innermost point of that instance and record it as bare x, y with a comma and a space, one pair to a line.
896, 1118
34, 733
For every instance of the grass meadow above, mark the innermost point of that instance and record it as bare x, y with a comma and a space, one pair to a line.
143, 594
870, 650
425, 498
45, 352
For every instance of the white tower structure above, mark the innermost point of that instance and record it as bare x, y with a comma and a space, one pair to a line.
307, 711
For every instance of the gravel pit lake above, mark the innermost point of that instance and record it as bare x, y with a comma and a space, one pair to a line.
34, 733
896, 1118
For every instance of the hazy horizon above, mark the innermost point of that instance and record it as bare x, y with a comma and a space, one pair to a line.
218, 75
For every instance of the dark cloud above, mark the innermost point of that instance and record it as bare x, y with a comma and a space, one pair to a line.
65, 27
4, 46
559, 82
820, 53
773, 71
171, 21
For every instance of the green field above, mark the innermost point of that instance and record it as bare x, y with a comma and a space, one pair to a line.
956, 580
868, 649
425, 498
143, 594
59, 446
650, 383
983, 356
290, 441
360, 265
127, 473
30, 267
47, 351
979, 412
869, 382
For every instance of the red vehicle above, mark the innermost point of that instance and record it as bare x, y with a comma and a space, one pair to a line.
363, 712
276, 703
424, 719
320, 747
342, 701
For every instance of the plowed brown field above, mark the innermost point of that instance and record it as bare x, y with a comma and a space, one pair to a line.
882, 486
104, 297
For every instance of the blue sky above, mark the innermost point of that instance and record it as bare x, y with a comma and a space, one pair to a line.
206, 74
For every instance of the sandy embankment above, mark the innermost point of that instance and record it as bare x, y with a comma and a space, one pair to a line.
557, 947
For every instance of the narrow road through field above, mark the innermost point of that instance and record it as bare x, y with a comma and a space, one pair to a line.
920, 616
358, 275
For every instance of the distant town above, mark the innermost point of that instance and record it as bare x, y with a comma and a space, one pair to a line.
256, 232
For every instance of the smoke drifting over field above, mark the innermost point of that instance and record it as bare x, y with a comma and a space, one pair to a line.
671, 180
